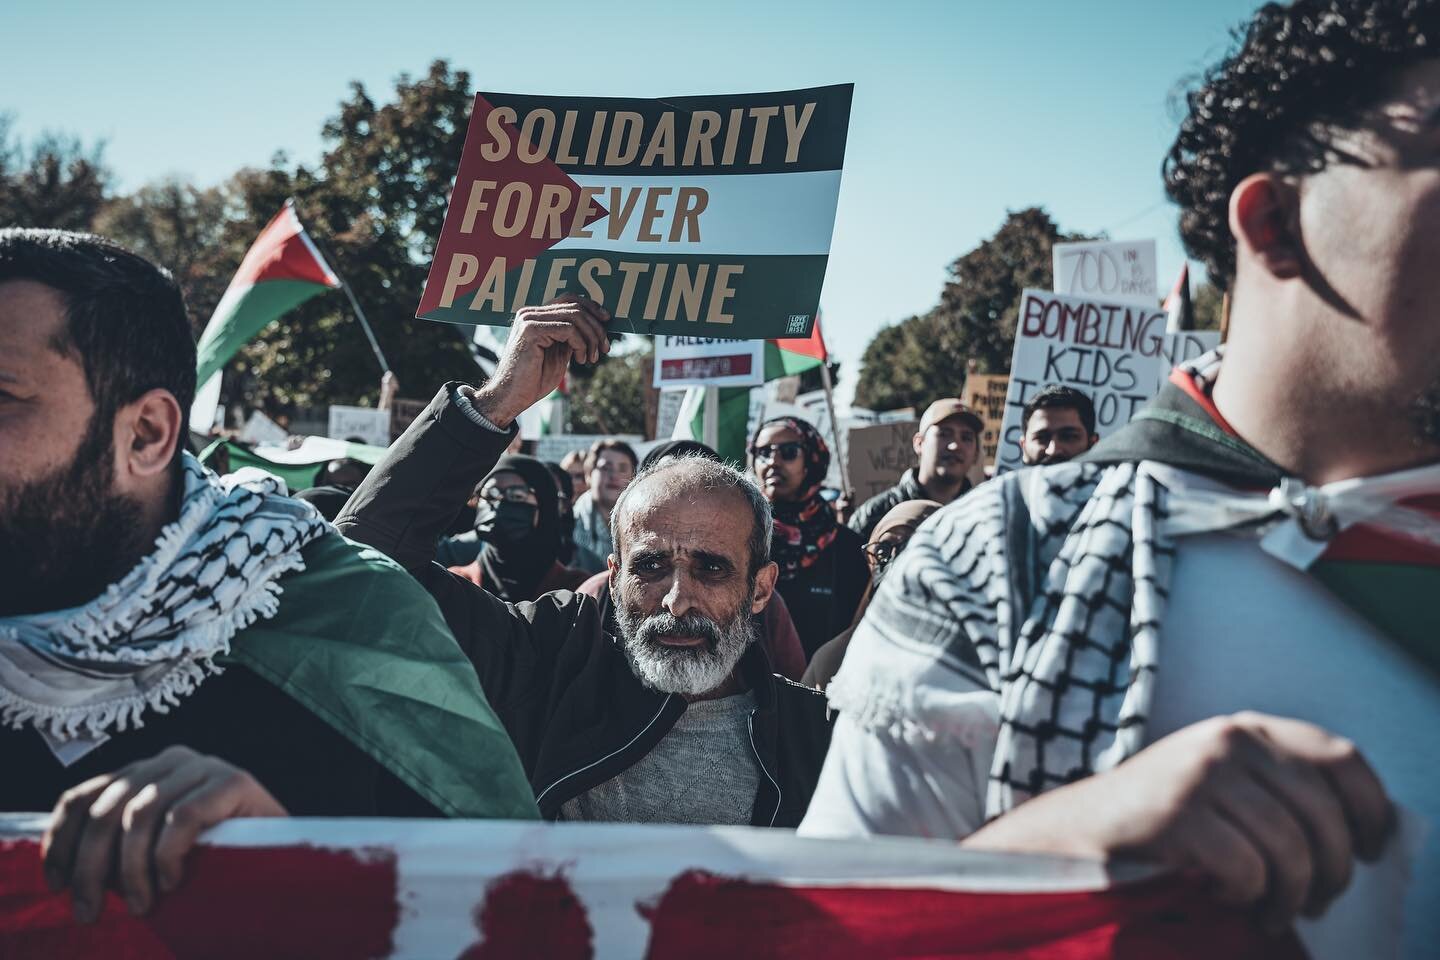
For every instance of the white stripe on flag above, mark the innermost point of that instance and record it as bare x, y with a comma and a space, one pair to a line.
773, 214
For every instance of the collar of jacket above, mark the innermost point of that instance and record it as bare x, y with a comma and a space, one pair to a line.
1176, 430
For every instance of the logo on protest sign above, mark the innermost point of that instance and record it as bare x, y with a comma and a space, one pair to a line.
1115, 353
691, 216
1107, 270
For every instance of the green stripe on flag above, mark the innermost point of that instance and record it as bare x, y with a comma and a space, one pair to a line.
1399, 599
237, 322
782, 363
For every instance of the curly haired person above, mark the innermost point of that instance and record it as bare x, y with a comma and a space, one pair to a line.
1210, 642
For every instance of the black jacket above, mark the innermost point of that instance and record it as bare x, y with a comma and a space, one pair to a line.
872, 511
561, 685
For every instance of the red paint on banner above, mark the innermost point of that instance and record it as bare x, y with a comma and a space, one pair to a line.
526, 914
702, 916
235, 902
736, 365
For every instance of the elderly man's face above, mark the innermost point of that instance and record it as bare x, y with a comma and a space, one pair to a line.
683, 594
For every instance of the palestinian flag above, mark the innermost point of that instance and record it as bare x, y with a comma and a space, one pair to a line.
281, 270
707, 216
1181, 314
732, 417
494, 890
787, 358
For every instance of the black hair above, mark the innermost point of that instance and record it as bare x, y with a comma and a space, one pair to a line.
1054, 396
125, 317
1296, 68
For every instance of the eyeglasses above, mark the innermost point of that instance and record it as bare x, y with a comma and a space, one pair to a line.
790, 450
882, 553
514, 494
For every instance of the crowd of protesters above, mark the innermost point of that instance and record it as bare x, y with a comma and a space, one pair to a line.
683, 640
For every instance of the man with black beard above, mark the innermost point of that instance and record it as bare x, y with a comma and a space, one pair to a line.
174, 647
680, 718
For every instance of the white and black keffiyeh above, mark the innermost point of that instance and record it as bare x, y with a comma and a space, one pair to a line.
151, 637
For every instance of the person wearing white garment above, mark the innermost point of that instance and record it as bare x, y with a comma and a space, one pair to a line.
1211, 642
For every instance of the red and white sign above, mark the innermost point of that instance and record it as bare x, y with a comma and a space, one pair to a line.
708, 362
478, 890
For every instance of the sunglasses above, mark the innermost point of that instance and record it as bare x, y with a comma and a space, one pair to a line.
882, 553
770, 452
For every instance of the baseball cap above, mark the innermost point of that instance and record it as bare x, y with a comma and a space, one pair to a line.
947, 408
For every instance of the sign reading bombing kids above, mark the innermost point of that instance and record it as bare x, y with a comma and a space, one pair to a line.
690, 216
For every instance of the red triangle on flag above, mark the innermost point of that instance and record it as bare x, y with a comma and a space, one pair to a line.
283, 251
482, 242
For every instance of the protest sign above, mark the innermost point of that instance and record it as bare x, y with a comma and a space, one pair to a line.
1107, 270
261, 429
1112, 352
878, 455
708, 362
365, 424
896, 416
681, 216
667, 412
1182, 347
553, 447
985, 394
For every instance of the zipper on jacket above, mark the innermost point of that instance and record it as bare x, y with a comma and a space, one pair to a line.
615, 753
761, 763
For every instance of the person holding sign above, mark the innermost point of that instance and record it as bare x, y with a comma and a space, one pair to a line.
1210, 642
675, 717
823, 573
948, 444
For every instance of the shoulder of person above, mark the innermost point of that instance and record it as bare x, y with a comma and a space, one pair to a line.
797, 697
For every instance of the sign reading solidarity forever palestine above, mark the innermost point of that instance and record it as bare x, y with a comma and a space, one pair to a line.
690, 216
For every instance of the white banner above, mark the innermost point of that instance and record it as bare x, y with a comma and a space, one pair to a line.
366, 424
708, 362
1112, 270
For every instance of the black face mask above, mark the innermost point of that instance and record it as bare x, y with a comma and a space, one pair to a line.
505, 523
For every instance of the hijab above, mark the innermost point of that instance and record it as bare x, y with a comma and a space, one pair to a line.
515, 559
806, 526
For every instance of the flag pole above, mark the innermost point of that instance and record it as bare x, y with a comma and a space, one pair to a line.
835, 427
350, 295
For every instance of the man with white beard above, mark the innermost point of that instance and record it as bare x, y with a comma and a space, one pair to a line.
680, 719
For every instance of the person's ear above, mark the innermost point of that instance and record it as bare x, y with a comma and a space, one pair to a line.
1262, 219
764, 586
612, 564
917, 442
147, 431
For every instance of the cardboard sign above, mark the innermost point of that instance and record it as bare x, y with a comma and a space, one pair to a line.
1107, 270
878, 455
403, 413
685, 216
708, 362
985, 394
366, 424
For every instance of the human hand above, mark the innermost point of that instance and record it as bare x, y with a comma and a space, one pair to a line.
542, 342
1272, 811
138, 823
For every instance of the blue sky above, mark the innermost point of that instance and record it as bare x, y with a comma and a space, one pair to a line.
963, 110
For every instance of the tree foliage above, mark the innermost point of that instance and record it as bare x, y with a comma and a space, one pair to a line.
610, 396
926, 357
54, 182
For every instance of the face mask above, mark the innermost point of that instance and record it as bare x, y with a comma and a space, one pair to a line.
504, 523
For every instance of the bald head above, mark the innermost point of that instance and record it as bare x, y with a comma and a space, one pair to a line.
674, 486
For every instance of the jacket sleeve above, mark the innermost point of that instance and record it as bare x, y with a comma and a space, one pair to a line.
868, 514
407, 502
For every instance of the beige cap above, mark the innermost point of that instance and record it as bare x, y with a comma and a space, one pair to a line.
947, 408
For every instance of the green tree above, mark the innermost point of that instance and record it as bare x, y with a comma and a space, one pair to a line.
1207, 306
55, 182
980, 303
902, 368
610, 396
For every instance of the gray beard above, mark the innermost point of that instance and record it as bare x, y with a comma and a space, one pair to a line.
691, 671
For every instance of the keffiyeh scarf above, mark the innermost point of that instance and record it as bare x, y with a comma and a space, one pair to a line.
152, 637
1048, 586
805, 526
